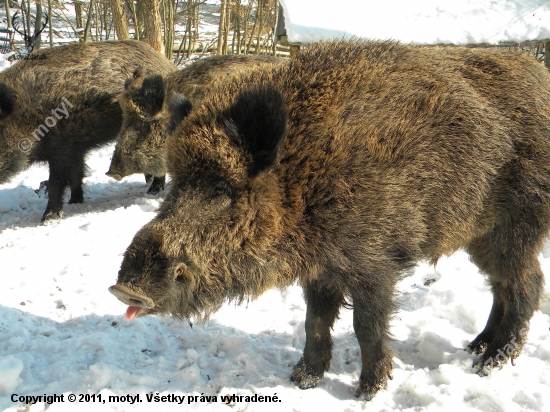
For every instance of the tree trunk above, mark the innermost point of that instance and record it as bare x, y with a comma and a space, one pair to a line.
251, 38
28, 15
37, 25
137, 22
238, 25
191, 23
221, 27
153, 24
96, 23
89, 20
247, 15
168, 28
261, 25
78, 12
50, 26
119, 20
8, 13
226, 28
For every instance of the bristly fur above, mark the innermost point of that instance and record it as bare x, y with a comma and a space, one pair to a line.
85, 79
343, 169
179, 108
149, 116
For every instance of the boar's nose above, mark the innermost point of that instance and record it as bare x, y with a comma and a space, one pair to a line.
131, 297
115, 176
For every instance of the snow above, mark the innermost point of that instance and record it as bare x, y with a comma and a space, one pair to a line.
62, 332
10, 368
422, 22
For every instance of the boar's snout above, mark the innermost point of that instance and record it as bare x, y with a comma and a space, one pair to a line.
135, 300
130, 297
115, 176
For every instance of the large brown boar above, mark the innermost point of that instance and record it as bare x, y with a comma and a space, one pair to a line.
145, 106
61, 104
343, 169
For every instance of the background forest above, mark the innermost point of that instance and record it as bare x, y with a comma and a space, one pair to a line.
175, 27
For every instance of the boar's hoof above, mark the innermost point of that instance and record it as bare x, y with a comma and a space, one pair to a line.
156, 186
367, 390
51, 215
76, 198
496, 355
42, 189
477, 346
483, 366
305, 376
374, 377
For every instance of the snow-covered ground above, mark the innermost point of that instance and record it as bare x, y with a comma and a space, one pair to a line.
62, 332
422, 22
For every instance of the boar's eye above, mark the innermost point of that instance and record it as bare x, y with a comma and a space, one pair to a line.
222, 189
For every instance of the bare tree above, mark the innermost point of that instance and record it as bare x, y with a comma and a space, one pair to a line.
222, 26
88, 20
37, 23
50, 26
8, 13
78, 12
119, 20
168, 23
153, 24
244, 26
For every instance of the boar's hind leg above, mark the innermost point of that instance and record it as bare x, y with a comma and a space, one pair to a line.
75, 181
372, 308
509, 257
61, 176
57, 183
157, 185
323, 305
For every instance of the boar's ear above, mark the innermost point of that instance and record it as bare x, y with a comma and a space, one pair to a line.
7, 101
151, 95
179, 108
257, 122
127, 83
137, 73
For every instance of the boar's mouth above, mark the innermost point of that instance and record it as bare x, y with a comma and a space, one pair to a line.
136, 302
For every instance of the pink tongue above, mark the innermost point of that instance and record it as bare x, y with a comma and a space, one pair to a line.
132, 311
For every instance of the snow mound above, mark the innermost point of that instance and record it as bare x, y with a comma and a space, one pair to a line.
10, 369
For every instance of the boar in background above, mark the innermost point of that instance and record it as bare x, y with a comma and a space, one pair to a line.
343, 169
63, 103
146, 112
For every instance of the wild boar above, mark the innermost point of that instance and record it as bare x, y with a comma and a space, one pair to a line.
61, 104
343, 169
145, 106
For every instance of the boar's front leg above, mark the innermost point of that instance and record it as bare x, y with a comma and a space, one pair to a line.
480, 343
372, 307
323, 305
157, 185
